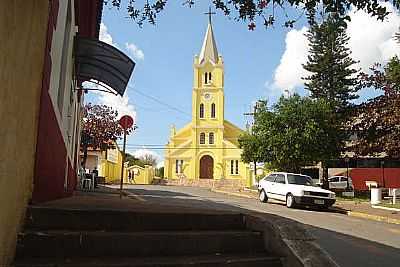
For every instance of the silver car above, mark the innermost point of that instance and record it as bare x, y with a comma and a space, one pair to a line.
340, 182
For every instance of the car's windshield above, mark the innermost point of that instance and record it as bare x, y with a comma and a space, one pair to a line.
299, 179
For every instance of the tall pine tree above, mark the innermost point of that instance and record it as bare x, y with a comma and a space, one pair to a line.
332, 74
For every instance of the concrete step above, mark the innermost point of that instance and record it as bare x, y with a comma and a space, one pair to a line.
39, 218
238, 260
136, 244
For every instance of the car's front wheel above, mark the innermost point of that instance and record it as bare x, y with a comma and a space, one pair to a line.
263, 196
290, 202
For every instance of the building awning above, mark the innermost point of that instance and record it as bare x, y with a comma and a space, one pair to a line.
96, 60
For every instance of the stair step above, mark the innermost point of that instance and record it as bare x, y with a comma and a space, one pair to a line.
213, 260
136, 244
39, 218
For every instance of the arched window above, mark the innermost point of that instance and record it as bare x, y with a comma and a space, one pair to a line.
201, 110
202, 138
205, 78
212, 110
211, 138
209, 76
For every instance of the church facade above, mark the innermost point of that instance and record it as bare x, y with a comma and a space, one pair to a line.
207, 147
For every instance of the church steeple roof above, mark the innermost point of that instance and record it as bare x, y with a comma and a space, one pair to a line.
209, 49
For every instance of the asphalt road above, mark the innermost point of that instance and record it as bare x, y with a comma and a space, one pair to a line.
350, 241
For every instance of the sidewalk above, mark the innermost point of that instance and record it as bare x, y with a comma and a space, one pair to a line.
349, 207
104, 198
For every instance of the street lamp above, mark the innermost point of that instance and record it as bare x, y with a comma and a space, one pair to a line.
346, 159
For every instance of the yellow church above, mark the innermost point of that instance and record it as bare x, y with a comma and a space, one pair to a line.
207, 147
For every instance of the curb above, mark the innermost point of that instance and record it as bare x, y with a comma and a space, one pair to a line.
347, 212
231, 193
373, 217
385, 208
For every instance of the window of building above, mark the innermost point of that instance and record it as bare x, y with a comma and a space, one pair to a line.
64, 59
201, 110
234, 167
178, 166
212, 110
209, 77
202, 138
237, 167
211, 138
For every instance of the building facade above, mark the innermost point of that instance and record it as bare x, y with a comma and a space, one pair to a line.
207, 147
42, 67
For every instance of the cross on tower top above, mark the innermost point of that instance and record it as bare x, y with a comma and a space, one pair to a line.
209, 13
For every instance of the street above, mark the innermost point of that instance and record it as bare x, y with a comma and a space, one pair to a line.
350, 241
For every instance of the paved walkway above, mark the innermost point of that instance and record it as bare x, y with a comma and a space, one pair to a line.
104, 198
352, 208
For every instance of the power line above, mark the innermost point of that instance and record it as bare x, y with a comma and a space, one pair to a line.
159, 101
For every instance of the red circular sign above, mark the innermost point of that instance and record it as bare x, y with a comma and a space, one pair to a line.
126, 122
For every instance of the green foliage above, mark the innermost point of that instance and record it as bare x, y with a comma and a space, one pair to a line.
265, 10
132, 160
295, 132
332, 76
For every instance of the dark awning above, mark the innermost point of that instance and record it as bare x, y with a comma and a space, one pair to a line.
102, 62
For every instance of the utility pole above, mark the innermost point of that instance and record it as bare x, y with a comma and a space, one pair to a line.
254, 121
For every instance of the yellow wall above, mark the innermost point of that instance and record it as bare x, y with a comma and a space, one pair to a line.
112, 170
142, 175
23, 25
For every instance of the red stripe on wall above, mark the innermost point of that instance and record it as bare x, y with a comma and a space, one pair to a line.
51, 153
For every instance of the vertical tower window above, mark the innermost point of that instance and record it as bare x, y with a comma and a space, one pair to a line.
202, 138
207, 77
232, 166
201, 110
212, 110
211, 138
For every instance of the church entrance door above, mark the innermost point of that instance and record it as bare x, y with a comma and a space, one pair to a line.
206, 167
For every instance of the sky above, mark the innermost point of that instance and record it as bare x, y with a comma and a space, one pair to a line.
258, 64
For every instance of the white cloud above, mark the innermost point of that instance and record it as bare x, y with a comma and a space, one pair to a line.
118, 103
144, 151
370, 41
105, 36
135, 51
290, 71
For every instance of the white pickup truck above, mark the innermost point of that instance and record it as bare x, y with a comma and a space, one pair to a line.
294, 189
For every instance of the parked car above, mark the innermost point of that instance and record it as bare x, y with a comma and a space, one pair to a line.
340, 182
294, 189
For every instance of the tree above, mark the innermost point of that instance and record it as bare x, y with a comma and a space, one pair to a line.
332, 76
376, 123
295, 132
251, 142
148, 159
132, 160
100, 129
250, 10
